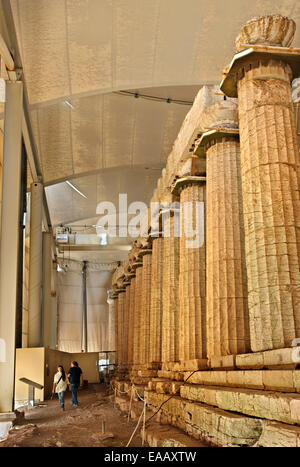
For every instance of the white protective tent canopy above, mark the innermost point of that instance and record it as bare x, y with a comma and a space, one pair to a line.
70, 307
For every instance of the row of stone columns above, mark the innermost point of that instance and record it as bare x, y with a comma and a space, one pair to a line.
240, 290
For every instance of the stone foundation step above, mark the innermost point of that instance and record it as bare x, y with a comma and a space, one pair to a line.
165, 386
276, 435
174, 375
157, 435
270, 405
273, 380
205, 423
270, 380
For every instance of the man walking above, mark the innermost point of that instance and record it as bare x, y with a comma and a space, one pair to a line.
75, 376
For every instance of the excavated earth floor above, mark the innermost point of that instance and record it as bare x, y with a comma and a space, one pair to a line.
49, 426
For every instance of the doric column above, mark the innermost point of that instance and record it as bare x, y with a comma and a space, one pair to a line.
117, 344
121, 329
145, 307
170, 313
112, 322
192, 320
156, 300
131, 320
226, 280
137, 315
35, 266
9, 240
270, 179
126, 322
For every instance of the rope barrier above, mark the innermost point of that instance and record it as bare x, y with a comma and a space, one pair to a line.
137, 425
144, 423
130, 403
121, 392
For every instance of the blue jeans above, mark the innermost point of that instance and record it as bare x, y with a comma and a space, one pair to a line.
74, 389
61, 398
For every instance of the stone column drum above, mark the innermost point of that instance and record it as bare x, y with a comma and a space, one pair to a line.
156, 300
131, 321
227, 308
192, 319
270, 184
116, 301
170, 313
126, 323
121, 333
137, 315
145, 308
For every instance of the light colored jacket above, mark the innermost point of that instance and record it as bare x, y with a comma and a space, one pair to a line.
62, 385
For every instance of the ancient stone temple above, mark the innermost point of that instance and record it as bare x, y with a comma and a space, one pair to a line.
149, 224
225, 313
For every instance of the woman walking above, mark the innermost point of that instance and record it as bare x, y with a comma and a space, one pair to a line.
60, 385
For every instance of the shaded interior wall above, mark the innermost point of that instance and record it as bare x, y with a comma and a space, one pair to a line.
70, 308
30, 363
88, 362
40, 365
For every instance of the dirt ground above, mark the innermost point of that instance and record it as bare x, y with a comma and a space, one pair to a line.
51, 427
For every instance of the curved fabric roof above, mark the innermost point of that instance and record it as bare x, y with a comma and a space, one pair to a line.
83, 51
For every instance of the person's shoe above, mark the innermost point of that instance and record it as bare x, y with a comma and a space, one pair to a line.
63, 409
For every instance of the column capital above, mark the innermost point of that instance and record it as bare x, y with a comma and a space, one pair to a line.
181, 183
137, 264
211, 137
261, 40
269, 30
145, 252
257, 55
155, 234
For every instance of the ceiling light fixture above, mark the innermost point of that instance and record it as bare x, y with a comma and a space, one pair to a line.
76, 189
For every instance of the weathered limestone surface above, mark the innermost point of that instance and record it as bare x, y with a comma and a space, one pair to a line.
276, 435
168, 374
156, 300
273, 380
170, 318
117, 324
192, 313
227, 309
275, 30
164, 386
166, 436
271, 204
145, 307
278, 358
126, 323
222, 361
282, 407
131, 320
121, 327
204, 422
137, 316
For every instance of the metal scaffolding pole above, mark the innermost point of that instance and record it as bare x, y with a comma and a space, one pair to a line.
85, 334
